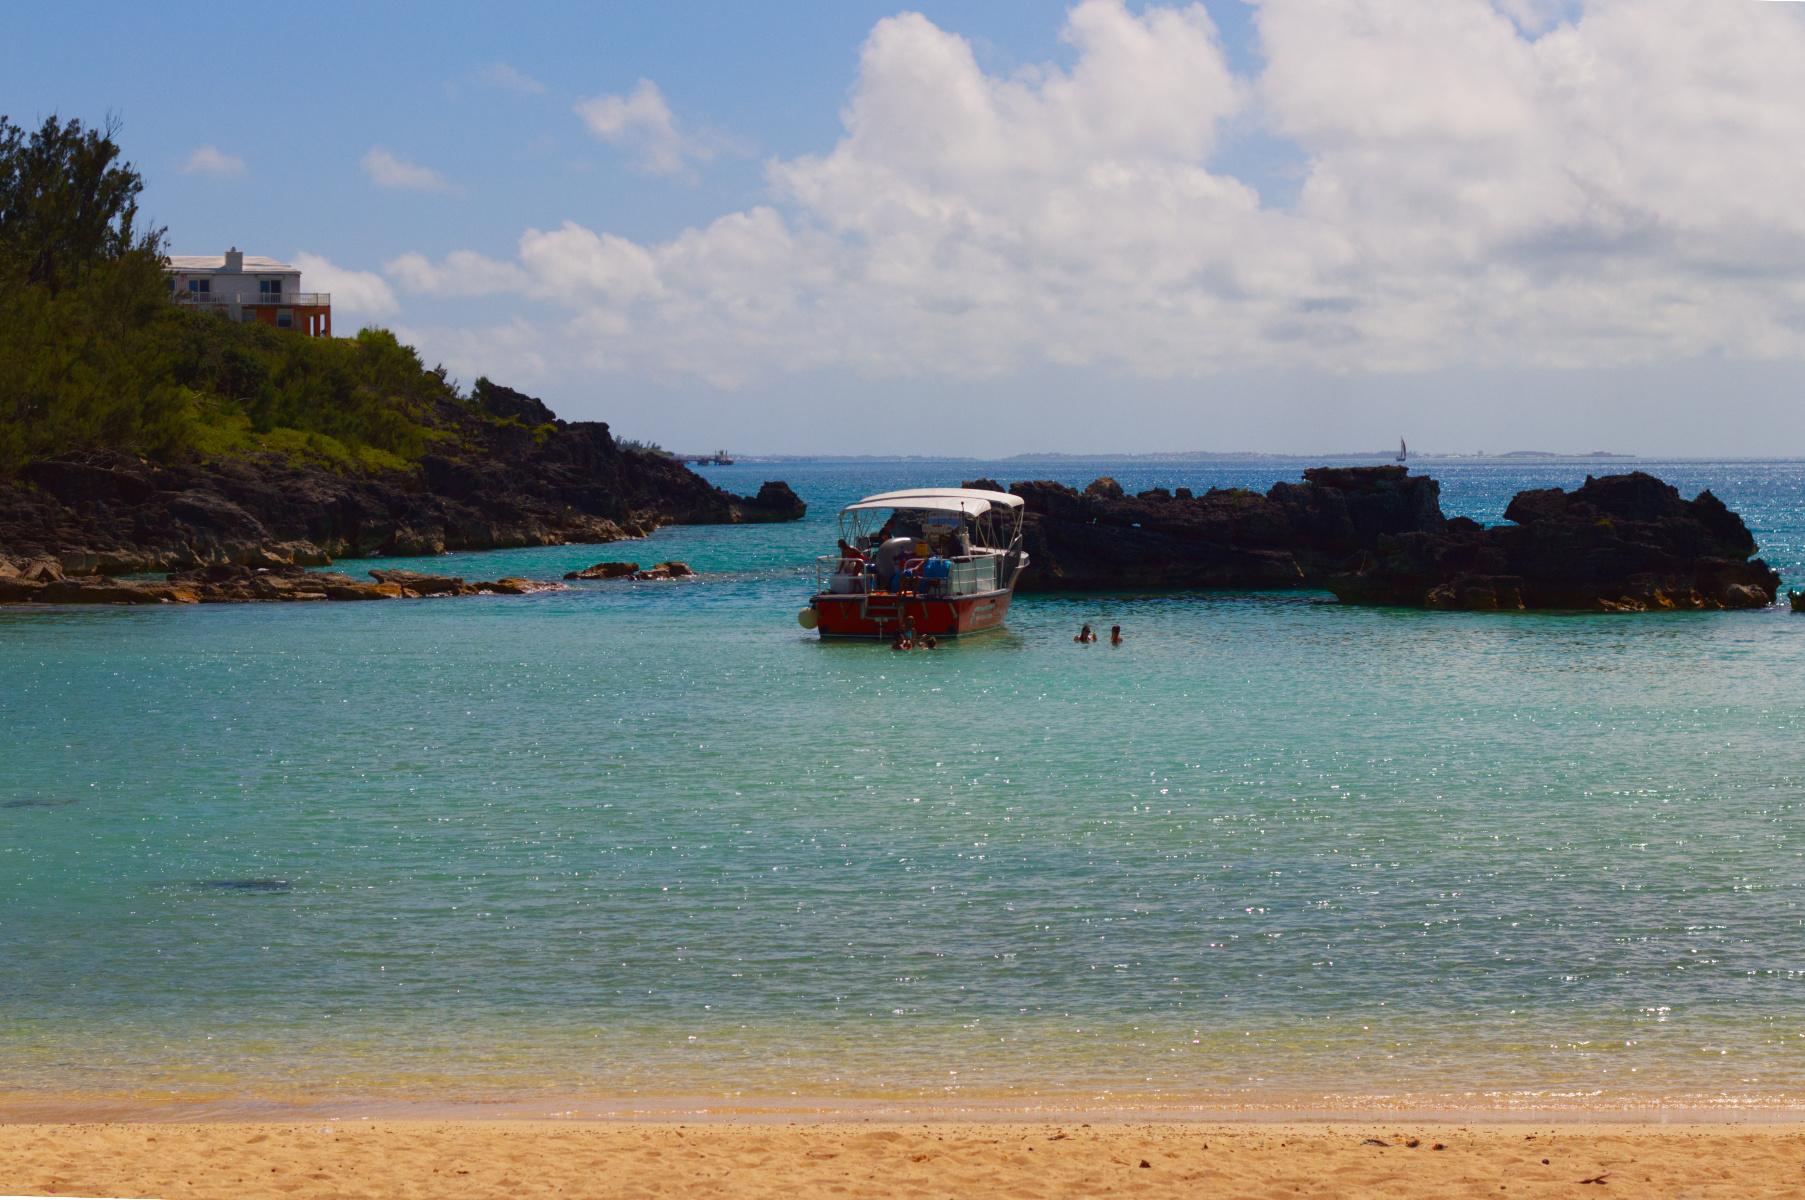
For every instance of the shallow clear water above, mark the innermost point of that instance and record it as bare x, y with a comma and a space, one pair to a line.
654, 839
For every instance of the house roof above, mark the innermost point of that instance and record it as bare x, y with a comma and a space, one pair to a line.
254, 264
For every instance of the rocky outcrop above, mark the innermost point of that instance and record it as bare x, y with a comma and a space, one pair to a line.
506, 473
666, 570
231, 583
627, 570
1377, 535
1295, 535
1623, 543
605, 570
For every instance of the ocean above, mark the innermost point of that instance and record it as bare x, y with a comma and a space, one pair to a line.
653, 843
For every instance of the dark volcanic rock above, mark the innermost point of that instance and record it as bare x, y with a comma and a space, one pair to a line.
1376, 535
666, 570
510, 474
605, 570
1295, 535
1621, 543
233, 583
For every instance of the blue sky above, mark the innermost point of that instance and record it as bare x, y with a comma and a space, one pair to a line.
1283, 226
411, 77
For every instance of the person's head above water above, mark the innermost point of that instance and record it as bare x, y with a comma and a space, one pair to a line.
1115, 635
1085, 635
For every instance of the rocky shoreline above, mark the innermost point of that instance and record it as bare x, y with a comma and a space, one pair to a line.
1378, 536
231, 583
506, 473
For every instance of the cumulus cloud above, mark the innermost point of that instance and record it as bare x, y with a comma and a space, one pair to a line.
1506, 184
354, 293
503, 76
641, 121
512, 351
462, 273
386, 170
209, 160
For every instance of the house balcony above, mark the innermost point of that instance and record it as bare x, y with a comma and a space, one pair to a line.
258, 299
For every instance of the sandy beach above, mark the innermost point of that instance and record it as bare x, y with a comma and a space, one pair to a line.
878, 1158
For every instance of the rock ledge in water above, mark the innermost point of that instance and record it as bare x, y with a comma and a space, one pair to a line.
1377, 535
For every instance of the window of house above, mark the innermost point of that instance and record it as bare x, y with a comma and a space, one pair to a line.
285, 318
200, 287
270, 287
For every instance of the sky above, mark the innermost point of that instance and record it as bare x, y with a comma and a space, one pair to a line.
1006, 226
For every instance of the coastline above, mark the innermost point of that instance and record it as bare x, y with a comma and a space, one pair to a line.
1495, 1107
1145, 1156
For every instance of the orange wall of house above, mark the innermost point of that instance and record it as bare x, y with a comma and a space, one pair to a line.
267, 314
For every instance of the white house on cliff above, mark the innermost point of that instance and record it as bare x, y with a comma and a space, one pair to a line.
249, 287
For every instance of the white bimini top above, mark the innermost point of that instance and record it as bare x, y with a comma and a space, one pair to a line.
969, 501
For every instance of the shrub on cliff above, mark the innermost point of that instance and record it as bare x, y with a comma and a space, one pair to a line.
95, 355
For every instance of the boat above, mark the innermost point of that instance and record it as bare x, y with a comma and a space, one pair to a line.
943, 560
1402, 453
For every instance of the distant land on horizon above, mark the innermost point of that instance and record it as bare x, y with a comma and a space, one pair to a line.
1171, 456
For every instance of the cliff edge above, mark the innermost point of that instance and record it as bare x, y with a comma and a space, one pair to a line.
500, 470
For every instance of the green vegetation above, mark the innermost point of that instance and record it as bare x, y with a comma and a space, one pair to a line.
94, 354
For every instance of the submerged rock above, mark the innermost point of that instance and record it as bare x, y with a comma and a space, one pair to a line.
519, 587
666, 570
415, 583
605, 570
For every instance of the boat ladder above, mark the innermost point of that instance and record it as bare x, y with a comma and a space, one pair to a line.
890, 609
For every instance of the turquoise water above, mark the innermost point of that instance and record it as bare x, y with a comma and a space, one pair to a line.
655, 840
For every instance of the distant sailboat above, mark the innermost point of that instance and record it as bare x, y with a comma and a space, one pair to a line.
1402, 452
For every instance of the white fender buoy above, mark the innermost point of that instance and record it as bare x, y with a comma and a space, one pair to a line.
807, 618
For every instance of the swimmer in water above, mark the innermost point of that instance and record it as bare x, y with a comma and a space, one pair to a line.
930, 643
1115, 635
1085, 635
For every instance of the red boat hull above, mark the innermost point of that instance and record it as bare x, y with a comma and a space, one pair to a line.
880, 616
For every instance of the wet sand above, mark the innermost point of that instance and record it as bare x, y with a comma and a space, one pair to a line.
1019, 1159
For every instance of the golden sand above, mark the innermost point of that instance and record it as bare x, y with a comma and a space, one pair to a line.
889, 1158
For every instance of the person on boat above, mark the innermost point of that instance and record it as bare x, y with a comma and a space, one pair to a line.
1115, 635
1085, 635
854, 563
891, 555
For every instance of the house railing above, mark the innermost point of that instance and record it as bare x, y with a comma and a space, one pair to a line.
270, 299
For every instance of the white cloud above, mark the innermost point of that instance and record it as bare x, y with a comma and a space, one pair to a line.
1618, 188
503, 76
643, 122
209, 160
354, 293
513, 351
463, 273
386, 170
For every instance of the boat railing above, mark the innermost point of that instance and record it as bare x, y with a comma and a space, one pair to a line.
972, 575
966, 576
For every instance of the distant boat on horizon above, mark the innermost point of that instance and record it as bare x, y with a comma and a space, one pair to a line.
1403, 452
